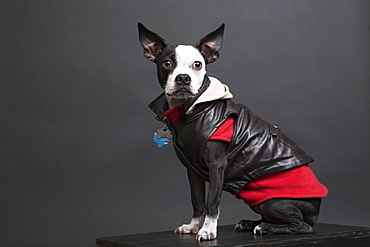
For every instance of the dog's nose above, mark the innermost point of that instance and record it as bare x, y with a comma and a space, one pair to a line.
183, 79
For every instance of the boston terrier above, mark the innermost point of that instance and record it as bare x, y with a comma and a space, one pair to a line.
224, 144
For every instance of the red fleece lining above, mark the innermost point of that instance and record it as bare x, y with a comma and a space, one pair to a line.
298, 182
225, 131
174, 115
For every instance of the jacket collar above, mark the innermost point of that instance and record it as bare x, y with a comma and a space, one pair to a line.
159, 106
215, 91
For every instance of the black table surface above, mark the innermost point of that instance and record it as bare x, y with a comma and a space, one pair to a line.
323, 235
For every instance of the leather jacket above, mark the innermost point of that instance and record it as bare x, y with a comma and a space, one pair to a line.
257, 148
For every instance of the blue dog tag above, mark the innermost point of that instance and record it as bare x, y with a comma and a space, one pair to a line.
162, 137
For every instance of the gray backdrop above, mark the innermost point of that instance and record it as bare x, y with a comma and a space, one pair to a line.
76, 150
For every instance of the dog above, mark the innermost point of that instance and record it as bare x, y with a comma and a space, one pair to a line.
224, 144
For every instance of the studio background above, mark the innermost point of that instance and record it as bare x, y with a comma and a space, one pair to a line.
76, 150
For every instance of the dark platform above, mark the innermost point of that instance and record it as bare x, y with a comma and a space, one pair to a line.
324, 235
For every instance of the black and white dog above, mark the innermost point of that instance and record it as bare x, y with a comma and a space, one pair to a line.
255, 161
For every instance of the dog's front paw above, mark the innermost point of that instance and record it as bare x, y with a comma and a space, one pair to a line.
192, 227
261, 229
206, 234
187, 228
209, 229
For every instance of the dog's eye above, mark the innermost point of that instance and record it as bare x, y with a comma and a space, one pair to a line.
197, 65
167, 64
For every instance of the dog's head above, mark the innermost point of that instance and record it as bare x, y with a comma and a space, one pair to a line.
181, 69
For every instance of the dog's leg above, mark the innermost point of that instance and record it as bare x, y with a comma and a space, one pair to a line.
288, 215
293, 227
197, 187
215, 157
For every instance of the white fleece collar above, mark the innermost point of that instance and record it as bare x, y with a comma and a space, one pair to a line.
216, 91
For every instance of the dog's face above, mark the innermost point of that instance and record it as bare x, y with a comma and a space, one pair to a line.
182, 72
181, 69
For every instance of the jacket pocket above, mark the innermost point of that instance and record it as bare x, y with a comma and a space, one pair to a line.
276, 133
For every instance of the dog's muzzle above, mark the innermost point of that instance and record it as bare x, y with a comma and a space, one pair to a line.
183, 86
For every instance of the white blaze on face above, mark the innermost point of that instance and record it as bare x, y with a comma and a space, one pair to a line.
186, 56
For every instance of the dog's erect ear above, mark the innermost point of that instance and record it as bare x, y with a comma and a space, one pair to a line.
211, 44
152, 43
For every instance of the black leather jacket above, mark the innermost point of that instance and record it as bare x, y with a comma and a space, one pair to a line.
257, 148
